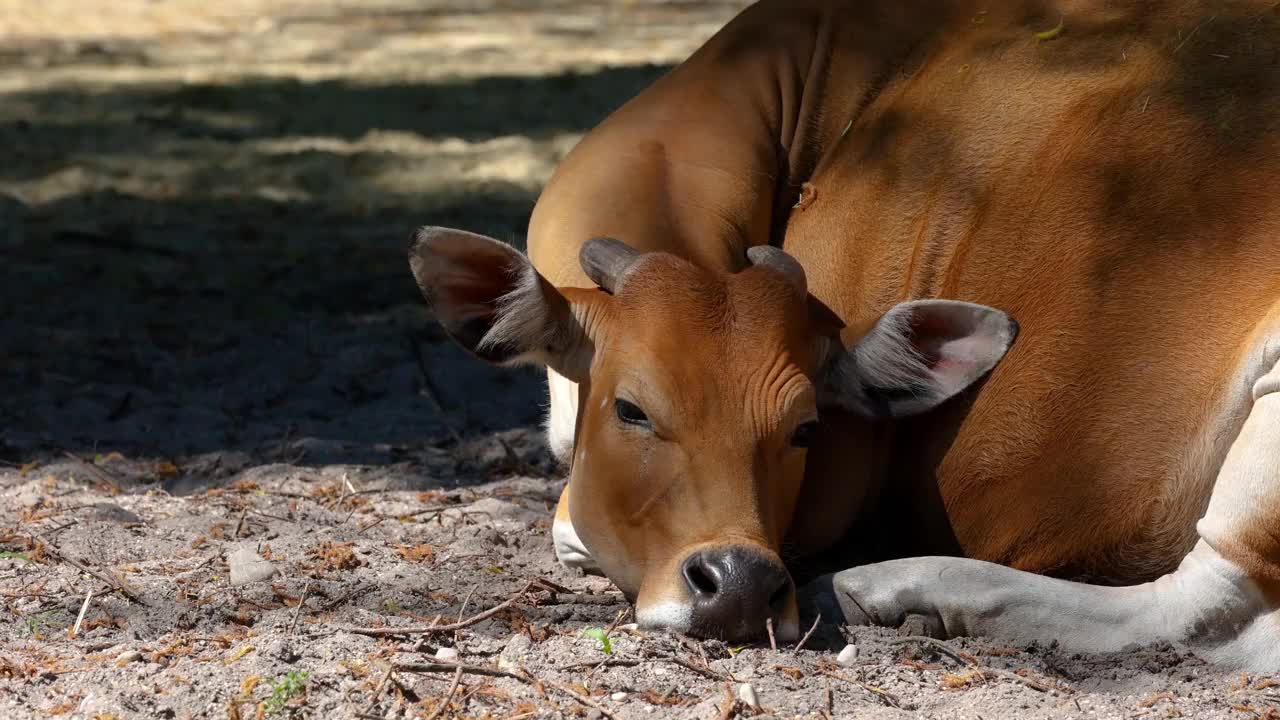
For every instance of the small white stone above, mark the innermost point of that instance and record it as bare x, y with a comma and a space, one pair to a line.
128, 656
618, 697
659, 671
847, 655
247, 566
747, 694
447, 653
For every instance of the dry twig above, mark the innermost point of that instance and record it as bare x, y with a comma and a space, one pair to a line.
436, 666
884, 696
102, 475
434, 628
800, 645
298, 610
377, 690
115, 582
83, 609
982, 671
448, 697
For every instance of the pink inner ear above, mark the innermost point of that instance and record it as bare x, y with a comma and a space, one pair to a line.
944, 366
474, 285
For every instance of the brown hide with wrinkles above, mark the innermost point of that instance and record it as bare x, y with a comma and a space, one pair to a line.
1114, 189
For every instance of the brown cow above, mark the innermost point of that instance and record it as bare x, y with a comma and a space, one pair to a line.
799, 346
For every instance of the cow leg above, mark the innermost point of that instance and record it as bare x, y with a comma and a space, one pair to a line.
1223, 600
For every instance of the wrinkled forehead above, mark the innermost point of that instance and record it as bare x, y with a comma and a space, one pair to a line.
719, 324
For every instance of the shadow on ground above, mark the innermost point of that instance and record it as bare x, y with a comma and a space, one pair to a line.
220, 271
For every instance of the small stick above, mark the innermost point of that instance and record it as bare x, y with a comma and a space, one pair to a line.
885, 697
96, 471
355, 591
432, 628
616, 621
377, 690
436, 666
83, 609
373, 524
607, 662
448, 697
704, 672
728, 705
240, 524
457, 634
938, 645
523, 676
805, 639
580, 698
417, 646
942, 648
115, 583
773, 642
572, 598
306, 590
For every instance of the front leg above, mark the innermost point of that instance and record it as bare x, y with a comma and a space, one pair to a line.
1223, 600
958, 597
1209, 605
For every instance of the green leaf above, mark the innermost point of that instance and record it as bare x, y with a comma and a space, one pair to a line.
599, 634
1052, 33
14, 556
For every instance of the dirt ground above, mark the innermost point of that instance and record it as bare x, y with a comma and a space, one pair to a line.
233, 446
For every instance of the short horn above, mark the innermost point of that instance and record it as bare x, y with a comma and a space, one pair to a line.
606, 261
776, 258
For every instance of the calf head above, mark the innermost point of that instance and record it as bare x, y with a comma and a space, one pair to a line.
698, 395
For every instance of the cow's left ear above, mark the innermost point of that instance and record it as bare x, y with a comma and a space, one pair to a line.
917, 356
491, 300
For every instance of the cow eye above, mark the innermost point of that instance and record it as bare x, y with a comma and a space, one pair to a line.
804, 434
630, 413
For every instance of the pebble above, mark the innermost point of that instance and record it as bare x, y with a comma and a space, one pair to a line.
847, 655
618, 697
747, 694
447, 653
128, 656
247, 567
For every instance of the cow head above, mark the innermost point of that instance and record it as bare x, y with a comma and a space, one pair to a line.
698, 393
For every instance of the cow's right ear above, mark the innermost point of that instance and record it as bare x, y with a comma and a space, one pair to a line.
491, 300
918, 355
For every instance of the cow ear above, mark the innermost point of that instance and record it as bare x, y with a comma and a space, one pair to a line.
917, 356
491, 300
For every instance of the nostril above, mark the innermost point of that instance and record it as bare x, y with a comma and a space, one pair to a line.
698, 578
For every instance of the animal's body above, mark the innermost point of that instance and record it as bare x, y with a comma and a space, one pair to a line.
1112, 186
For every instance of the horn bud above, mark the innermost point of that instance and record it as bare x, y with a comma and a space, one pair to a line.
606, 261
777, 259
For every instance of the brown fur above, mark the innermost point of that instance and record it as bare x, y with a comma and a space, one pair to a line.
1112, 188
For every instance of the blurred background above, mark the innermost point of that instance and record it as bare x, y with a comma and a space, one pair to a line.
204, 209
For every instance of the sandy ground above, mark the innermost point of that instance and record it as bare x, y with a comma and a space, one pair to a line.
227, 420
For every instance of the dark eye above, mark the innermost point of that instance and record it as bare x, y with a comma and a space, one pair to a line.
630, 413
804, 434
